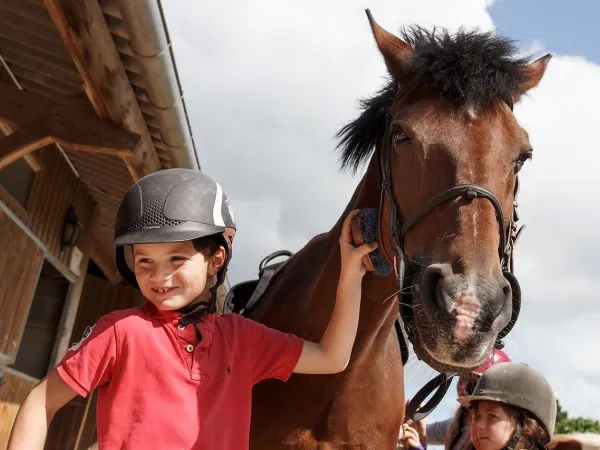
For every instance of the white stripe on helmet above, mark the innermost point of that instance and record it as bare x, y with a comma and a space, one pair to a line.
217, 214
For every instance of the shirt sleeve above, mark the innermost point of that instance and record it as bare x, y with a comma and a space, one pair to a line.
436, 432
89, 363
274, 353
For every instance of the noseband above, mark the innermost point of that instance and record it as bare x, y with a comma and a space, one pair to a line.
389, 219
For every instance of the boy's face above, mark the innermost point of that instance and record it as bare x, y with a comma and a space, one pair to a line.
175, 274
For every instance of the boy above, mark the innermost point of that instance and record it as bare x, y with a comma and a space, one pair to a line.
172, 375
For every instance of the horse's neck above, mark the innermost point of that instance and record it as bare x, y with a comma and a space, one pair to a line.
379, 305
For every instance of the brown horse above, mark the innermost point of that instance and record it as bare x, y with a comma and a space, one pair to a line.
578, 441
444, 124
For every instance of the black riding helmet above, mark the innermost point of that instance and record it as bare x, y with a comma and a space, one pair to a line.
173, 205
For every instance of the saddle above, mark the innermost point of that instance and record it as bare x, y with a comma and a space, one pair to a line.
243, 297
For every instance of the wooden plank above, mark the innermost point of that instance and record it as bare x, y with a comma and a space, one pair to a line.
49, 55
19, 144
28, 59
32, 159
85, 33
54, 190
12, 394
30, 36
18, 278
13, 13
72, 128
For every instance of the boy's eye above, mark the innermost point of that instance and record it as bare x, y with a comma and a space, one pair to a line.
143, 260
178, 258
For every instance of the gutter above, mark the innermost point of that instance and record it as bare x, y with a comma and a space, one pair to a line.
151, 45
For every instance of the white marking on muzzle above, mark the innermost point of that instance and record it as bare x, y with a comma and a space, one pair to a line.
467, 308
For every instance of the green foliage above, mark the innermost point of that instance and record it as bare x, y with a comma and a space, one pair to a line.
566, 424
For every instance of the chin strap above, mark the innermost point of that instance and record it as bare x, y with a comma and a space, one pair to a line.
194, 312
512, 445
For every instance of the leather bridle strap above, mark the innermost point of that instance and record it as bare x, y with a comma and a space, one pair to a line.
470, 192
442, 382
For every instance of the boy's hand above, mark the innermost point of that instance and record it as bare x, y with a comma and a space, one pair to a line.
352, 265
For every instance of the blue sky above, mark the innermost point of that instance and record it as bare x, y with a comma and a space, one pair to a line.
564, 27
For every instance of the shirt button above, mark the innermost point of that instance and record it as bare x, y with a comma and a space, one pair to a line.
181, 328
190, 348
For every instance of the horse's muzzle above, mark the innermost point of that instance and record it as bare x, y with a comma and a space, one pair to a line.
480, 303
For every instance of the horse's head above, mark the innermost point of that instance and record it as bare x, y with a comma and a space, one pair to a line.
446, 120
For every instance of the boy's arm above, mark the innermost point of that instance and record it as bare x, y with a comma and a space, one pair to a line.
332, 354
31, 425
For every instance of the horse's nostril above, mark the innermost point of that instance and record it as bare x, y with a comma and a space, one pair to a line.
431, 294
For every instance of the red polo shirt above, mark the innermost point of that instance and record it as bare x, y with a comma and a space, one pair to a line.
160, 389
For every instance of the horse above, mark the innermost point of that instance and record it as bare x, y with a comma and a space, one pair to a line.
443, 150
576, 441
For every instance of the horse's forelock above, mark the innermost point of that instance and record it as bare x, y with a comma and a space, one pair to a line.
471, 69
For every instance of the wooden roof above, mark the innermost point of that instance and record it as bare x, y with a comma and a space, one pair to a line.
76, 53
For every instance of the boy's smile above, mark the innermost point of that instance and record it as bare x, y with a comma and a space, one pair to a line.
172, 275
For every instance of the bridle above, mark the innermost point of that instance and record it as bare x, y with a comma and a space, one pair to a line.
389, 219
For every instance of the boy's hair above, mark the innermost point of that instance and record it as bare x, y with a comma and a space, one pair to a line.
210, 243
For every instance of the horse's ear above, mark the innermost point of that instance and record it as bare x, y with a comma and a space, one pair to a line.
534, 72
396, 53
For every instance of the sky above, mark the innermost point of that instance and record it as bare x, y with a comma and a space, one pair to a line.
268, 84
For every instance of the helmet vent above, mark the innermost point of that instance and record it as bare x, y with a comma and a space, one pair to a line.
153, 215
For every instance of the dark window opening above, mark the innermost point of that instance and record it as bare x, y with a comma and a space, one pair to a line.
17, 179
93, 269
41, 328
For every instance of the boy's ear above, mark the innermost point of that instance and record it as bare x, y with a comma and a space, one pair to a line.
216, 261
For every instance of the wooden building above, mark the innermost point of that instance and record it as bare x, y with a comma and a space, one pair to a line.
90, 102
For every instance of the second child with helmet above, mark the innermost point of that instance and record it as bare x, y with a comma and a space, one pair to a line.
511, 407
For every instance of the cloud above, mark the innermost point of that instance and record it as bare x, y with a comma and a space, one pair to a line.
268, 84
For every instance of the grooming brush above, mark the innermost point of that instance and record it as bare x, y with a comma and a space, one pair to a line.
364, 230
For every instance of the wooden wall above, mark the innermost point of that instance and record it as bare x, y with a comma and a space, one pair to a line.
23, 249
20, 263
55, 188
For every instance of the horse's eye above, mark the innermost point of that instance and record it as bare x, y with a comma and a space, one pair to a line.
524, 156
400, 138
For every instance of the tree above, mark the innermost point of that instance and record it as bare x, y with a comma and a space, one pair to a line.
566, 424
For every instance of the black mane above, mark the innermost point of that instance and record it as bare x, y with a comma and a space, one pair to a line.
468, 68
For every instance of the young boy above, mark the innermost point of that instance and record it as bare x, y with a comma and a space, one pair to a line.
171, 374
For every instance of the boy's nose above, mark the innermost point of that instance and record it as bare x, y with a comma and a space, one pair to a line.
160, 273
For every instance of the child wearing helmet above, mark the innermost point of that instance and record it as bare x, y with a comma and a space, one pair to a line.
512, 407
172, 374
454, 432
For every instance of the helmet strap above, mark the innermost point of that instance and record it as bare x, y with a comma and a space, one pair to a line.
194, 312
512, 445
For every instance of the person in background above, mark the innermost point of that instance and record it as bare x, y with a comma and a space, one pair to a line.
454, 431
512, 407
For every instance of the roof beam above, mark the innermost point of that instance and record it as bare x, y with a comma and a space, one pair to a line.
31, 159
85, 33
39, 122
